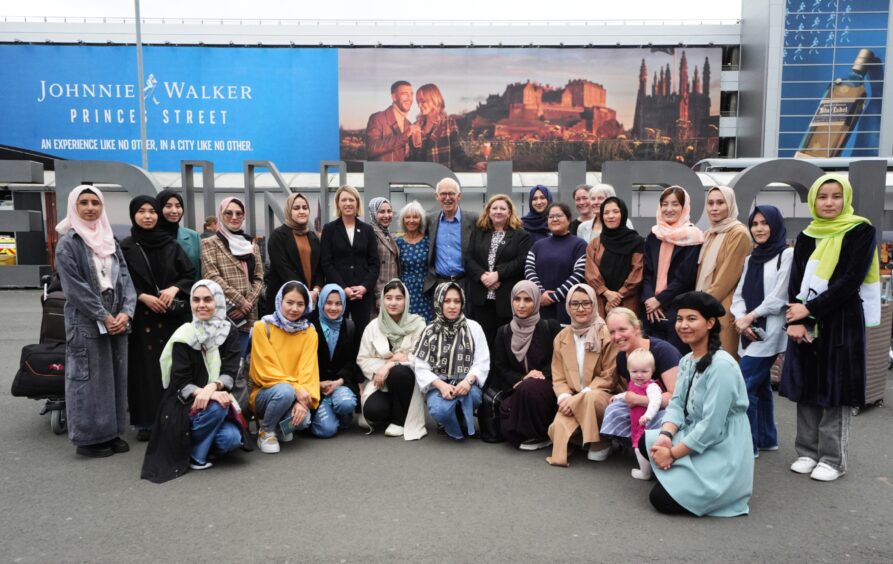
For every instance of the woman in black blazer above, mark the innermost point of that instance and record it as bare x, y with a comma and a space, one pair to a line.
495, 262
521, 366
349, 256
293, 250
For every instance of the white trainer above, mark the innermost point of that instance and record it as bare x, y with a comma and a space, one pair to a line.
599, 455
393, 431
267, 442
535, 444
825, 473
803, 465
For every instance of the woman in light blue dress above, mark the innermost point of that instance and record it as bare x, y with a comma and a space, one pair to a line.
702, 455
413, 247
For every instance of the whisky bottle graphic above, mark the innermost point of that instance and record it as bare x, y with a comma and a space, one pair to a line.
839, 111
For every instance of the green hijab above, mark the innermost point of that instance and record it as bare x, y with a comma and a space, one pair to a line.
408, 323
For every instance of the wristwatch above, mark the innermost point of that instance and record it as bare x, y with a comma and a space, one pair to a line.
666, 433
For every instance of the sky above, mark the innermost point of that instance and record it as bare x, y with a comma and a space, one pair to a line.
377, 10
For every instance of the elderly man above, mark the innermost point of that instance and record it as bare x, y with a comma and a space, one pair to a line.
388, 131
449, 231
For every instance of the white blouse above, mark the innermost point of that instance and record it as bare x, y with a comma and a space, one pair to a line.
775, 281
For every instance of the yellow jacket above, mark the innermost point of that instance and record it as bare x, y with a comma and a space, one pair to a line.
284, 357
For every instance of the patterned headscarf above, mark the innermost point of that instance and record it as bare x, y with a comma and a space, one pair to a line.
447, 344
278, 318
374, 205
204, 335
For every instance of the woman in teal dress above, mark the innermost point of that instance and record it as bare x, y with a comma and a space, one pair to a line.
702, 455
170, 204
414, 258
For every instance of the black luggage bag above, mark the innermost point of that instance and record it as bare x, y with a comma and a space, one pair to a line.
41, 372
52, 324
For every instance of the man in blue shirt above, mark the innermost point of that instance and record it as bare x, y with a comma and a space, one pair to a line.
449, 231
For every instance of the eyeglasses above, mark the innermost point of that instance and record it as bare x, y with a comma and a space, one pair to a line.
552, 217
580, 305
233, 214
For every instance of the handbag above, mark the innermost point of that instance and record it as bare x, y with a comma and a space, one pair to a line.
178, 306
488, 415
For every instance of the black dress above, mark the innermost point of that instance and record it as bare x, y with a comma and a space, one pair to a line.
343, 363
530, 409
150, 331
830, 372
169, 449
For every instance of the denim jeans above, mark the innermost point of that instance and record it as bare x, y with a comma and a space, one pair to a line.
444, 411
274, 404
211, 430
760, 412
334, 411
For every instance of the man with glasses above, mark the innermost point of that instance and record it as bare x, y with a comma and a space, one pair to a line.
449, 232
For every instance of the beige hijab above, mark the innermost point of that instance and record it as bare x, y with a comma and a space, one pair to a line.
590, 328
714, 236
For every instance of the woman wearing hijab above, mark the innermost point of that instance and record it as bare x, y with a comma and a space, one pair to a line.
391, 397
833, 294
198, 368
584, 378
100, 301
671, 260
284, 368
615, 259
171, 210
293, 250
592, 227
701, 455
381, 214
162, 276
535, 221
232, 259
522, 368
721, 261
338, 370
758, 306
452, 361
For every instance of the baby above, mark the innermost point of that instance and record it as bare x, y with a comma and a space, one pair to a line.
640, 364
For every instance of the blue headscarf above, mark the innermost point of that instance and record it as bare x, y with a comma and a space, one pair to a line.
753, 289
278, 318
535, 222
331, 328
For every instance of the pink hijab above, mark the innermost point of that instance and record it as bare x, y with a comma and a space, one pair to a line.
96, 234
683, 233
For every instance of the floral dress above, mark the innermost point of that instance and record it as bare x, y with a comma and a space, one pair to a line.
414, 267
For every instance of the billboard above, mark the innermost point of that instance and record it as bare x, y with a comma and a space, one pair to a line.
298, 106
220, 104
536, 107
832, 78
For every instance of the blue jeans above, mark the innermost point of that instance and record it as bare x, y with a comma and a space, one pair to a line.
334, 411
444, 411
211, 430
760, 412
274, 404
244, 340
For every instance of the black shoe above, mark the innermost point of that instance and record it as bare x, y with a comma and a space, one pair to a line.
118, 445
100, 450
143, 435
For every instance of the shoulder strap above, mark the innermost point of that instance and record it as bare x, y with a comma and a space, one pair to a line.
148, 265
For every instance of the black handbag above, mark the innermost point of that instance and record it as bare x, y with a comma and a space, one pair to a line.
488, 415
178, 306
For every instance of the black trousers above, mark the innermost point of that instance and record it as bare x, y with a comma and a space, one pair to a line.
659, 497
360, 311
383, 408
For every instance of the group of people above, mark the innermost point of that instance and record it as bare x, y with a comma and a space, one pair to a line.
663, 344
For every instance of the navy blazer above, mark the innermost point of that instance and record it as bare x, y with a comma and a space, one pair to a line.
681, 277
345, 264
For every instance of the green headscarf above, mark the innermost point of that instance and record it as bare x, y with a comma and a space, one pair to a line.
829, 235
408, 324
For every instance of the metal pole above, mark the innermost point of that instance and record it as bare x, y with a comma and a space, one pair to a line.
140, 83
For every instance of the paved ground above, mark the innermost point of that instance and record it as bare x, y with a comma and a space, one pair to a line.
370, 499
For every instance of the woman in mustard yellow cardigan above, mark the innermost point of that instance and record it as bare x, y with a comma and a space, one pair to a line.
284, 368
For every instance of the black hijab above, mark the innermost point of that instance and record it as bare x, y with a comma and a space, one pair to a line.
620, 244
147, 238
161, 200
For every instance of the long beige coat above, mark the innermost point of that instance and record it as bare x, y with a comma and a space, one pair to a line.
599, 376
736, 247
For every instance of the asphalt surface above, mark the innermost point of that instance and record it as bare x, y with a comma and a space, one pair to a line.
358, 498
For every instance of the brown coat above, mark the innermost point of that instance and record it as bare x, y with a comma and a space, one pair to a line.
599, 375
736, 247
631, 288
384, 139
388, 264
219, 265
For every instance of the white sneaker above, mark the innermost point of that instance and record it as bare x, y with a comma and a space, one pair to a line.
803, 465
599, 455
393, 431
824, 473
535, 444
196, 466
267, 442
286, 437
